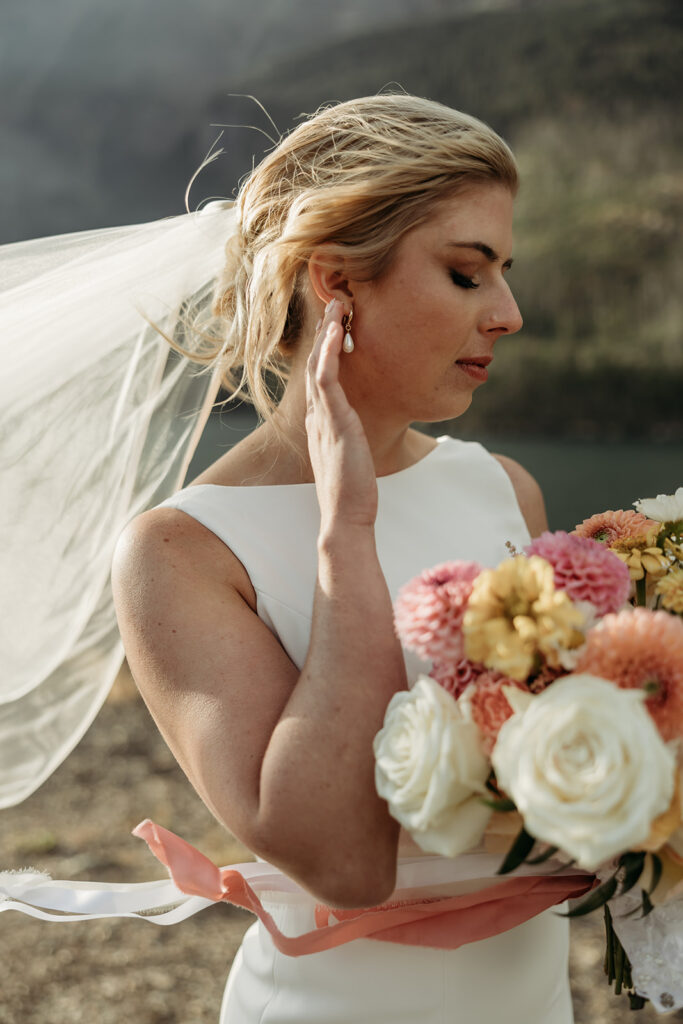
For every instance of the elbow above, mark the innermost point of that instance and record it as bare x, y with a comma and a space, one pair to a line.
341, 880
355, 892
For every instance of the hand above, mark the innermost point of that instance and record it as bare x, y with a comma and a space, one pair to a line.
341, 459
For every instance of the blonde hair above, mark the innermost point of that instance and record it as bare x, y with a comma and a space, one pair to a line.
354, 178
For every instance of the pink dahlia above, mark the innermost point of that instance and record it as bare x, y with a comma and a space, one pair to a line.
641, 649
608, 527
456, 676
429, 610
584, 569
489, 707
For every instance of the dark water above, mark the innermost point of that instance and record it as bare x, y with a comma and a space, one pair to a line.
578, 478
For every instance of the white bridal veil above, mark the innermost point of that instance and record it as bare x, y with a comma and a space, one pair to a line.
98, 421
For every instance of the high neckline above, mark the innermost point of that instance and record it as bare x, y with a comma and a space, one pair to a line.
400, 473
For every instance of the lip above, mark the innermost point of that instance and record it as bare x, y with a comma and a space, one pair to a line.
475, 367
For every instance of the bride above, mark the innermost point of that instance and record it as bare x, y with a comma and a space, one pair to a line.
255, 606
364, 283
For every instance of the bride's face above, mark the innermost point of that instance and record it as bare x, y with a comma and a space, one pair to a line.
443, 301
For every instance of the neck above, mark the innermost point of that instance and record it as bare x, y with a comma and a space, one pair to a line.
393, 446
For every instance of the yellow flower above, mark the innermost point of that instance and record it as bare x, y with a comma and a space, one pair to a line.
641, 555
515, 617
670, 590
673, 549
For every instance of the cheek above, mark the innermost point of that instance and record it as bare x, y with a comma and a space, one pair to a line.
402, 318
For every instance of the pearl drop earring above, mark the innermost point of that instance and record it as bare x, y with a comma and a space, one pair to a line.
347, 344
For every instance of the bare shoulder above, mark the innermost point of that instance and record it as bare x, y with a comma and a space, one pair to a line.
166, 544
529, 494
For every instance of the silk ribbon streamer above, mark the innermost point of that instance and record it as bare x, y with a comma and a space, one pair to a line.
443, 922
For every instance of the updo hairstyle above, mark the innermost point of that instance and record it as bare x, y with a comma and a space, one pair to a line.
354, 177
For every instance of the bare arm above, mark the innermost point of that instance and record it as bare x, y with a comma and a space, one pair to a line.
284, 759
529, 495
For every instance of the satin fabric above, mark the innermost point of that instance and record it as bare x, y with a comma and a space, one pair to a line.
517, 977
457, 502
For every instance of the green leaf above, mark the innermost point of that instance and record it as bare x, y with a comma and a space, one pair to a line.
632, 866
648, 906
542, 857
500, 804
596, 898
522, 845
563, 867
656, 873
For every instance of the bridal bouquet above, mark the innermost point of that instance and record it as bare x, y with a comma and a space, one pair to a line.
556, 697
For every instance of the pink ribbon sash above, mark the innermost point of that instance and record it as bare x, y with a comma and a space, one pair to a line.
443, 922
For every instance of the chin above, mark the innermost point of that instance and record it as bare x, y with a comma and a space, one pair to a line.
444, 410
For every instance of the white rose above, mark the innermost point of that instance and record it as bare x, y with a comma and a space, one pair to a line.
665, 508
586, 767
431, 769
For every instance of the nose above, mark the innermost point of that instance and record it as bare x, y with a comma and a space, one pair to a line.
503, 316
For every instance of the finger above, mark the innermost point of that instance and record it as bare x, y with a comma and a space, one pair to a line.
323, 391
333, 312
312, 362
333, 315
313, 355
323, 365
327, 369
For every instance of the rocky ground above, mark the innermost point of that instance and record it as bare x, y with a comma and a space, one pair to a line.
106, 972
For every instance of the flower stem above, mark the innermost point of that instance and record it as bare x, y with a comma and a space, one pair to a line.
641, 592
609, 946
619, 969
618, 966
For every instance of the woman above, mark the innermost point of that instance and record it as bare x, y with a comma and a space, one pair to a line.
256, 605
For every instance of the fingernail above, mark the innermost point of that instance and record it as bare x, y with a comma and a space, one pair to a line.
319, 324
330, 305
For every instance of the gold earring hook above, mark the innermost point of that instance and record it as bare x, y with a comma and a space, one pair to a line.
347, 320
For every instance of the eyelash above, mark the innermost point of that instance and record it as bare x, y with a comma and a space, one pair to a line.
462, 281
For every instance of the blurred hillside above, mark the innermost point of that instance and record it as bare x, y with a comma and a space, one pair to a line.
102, 105
113, 126
588, 95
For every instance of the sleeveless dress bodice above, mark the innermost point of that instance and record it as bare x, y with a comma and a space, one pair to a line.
457, 502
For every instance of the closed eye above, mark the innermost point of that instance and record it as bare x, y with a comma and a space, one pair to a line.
462, 281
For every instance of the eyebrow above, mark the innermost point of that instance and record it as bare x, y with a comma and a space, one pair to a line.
490, 254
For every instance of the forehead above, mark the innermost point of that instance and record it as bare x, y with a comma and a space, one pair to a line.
481, 212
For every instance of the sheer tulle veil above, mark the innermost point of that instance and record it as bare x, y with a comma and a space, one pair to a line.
99, 417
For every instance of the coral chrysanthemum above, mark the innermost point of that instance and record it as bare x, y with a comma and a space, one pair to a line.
642, 649
670, 591
608, 527
516, 617
584, 569
488, 707
429, 610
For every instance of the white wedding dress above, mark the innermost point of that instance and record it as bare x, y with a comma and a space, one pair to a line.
457, 502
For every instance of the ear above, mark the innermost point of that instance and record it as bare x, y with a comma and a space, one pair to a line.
328, 277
